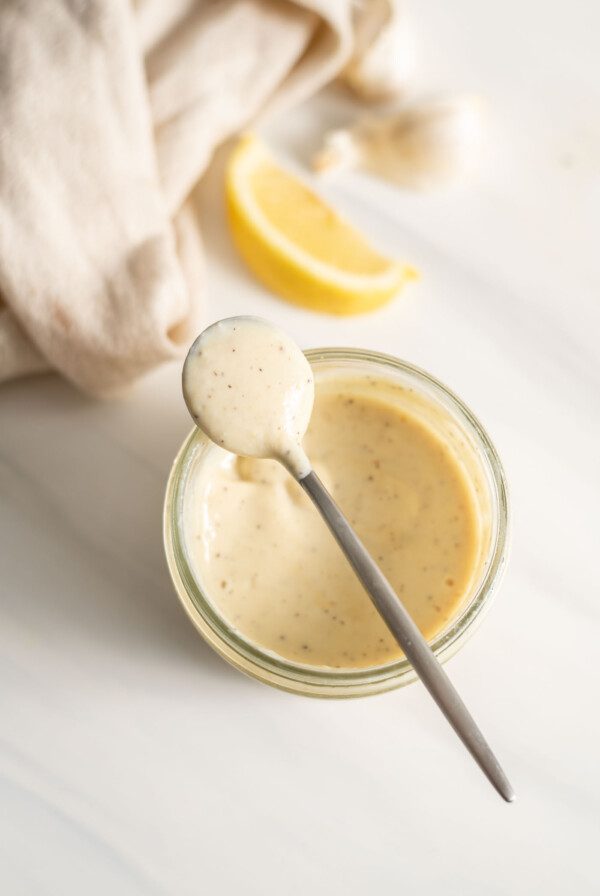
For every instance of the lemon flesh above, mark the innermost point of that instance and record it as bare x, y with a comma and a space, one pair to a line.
296, 245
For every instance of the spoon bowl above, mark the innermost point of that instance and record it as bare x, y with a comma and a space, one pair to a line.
249, 387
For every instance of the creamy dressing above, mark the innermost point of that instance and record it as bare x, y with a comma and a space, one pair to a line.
251, 390
270, 566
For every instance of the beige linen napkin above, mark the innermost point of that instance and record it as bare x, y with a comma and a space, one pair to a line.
109, 114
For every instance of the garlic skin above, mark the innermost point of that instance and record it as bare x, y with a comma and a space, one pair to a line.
384, 52
424, 146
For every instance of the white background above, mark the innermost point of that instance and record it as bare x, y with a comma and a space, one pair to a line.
132, 759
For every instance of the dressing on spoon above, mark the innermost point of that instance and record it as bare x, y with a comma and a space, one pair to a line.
250, 389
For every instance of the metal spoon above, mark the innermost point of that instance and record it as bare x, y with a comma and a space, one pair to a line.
242, 374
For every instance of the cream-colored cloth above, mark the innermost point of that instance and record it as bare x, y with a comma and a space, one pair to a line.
109, 114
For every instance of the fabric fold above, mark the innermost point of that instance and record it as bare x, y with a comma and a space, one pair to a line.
110, 114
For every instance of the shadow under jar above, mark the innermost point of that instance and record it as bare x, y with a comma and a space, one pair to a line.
406, 389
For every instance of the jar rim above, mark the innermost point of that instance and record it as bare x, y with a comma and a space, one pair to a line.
285, 674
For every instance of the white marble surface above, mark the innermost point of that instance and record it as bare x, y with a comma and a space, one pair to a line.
132, 759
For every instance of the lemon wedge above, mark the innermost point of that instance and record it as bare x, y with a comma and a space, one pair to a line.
296, 245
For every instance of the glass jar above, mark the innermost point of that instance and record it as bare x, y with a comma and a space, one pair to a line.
444, 412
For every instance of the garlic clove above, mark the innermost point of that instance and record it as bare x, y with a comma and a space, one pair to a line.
341, 149
384, 53
434, 144
424, 146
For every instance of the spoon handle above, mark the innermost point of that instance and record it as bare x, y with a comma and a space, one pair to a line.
408, 635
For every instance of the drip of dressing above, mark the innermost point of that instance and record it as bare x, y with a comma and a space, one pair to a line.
251, 390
